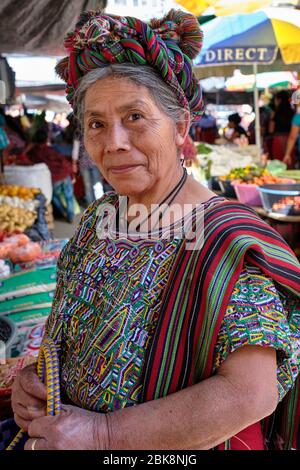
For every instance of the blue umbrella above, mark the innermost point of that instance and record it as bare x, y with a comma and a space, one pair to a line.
270, 35
254, 38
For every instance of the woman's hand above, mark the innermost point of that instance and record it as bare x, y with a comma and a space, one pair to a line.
73, 429
287, 159
29, 396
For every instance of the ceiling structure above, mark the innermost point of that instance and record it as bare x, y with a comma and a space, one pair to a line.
38, 27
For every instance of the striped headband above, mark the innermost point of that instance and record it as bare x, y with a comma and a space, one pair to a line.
168, 45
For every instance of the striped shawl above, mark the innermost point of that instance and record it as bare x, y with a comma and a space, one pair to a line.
195, 302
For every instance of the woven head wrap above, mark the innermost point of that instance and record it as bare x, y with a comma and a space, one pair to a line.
168, 45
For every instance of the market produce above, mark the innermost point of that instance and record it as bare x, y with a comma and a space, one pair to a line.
251, 174
246, 173
225, 158
18, 191
15, 219
293, 174
15, 201
203, 149
275, 167
10, 244
287, 205
19, 239
4, 250
25, 253
51, 250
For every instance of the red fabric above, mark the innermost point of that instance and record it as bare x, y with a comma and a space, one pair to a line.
59, 166
250, 438
206, 135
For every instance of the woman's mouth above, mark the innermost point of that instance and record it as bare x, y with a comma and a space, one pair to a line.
123, 169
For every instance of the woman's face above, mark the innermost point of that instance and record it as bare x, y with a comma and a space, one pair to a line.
133, 143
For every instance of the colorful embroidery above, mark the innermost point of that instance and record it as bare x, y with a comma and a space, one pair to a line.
107, 307
256, 316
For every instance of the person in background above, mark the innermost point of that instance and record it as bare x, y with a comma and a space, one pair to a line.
294, 137
38, 122
264, 116
206, 130
61, 172
236, 130
62, 139
281, 114
279, 126
4, 142
88, 170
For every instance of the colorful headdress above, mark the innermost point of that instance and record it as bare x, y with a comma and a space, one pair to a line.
168, 45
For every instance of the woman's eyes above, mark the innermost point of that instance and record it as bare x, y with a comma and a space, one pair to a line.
135, 116
131, 118
96, 125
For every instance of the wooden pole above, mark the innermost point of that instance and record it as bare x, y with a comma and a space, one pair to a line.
256, 110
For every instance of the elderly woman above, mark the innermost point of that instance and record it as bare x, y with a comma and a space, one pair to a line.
165, 340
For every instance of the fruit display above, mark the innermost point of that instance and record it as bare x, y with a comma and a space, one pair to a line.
294, 174
281, 198
203, 149
252, 174
15, 219
18, 191
287, 205
28, 204
18, 209
19, 249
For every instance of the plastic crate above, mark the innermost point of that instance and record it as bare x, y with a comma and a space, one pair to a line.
281, 198
248, 194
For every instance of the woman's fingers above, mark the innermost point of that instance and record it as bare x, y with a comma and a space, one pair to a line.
32, 404
22, 423
31, 383
28, 391
29, 412
36, 444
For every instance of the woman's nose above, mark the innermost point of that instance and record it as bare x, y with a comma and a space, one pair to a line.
116, 139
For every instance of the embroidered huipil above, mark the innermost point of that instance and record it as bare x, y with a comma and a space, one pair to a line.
106, 308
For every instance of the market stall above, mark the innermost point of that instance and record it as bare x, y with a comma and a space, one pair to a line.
27, 286
28, 258
272, 191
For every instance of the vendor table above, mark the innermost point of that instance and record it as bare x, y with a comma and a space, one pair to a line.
277, 217
288, 226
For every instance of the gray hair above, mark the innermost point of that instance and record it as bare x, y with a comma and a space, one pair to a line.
141, 75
